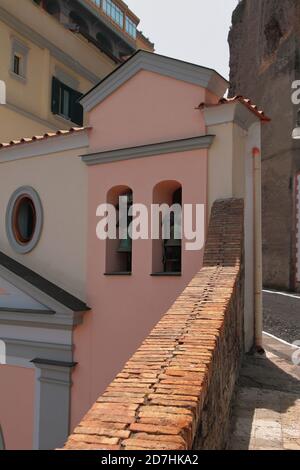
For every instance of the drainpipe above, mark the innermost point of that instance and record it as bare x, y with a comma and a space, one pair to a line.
258, 317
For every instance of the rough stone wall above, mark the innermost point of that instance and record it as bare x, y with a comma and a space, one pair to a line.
175, 392
265, 60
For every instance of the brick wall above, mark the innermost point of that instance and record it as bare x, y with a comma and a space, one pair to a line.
175, 392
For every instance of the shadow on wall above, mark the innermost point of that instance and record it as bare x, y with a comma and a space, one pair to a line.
265, 392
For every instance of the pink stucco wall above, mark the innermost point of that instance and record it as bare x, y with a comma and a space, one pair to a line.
17, 387
148, 108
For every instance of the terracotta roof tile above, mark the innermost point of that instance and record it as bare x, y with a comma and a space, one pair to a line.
37, 138
244, 101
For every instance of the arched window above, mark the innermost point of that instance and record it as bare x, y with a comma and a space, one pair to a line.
167, 244
119, 250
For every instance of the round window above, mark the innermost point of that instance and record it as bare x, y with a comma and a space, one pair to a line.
24, 220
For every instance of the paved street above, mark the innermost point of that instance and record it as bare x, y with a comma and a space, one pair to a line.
282, 315
266, 413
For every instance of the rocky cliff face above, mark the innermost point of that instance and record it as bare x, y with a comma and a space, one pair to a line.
264, 43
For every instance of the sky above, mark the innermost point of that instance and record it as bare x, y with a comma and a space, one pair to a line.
191, 30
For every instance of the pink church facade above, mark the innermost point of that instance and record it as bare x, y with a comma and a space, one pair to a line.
75, 324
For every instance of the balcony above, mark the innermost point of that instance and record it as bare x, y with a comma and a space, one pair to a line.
109, 25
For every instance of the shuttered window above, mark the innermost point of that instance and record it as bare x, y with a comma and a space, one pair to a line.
65, 102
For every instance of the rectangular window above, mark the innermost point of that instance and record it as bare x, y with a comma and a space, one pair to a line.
65, 102
130, 27
114, 12
19, 59
17, 65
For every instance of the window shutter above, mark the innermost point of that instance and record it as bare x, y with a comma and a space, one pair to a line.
55, 96
76, 109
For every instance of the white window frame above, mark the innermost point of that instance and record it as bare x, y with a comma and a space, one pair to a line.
130, 27
19, 49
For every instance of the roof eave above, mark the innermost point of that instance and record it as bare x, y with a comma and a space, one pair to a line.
144, 60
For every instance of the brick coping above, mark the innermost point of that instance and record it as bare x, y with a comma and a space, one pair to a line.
157, 401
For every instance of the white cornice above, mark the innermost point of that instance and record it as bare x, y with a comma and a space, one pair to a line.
143, 60
151, 150
233, 112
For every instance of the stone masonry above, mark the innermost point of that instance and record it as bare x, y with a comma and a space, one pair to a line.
175, 392
265, 59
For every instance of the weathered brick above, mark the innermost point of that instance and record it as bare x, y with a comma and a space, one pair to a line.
154, 410
101, 431
172, 385
92, 439
168, 420
95, 422
165, 438
151, 429
152, 445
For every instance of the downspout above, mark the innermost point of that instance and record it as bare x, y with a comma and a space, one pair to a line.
257, 204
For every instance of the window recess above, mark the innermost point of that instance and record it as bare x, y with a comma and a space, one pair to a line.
65, 102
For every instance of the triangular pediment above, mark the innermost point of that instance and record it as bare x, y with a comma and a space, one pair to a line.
22, 289
142, 60
13, 298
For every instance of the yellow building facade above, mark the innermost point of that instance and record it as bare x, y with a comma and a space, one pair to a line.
52, 52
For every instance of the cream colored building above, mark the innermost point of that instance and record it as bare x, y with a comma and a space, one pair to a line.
52, 52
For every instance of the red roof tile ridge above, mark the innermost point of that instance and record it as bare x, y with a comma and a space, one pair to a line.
244, 101
47, 135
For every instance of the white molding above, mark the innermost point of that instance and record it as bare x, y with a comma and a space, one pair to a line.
48, 320
35, 292
19, 48
143, 60
47, 146
151, 150
52, 403
21, 352
229, 112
